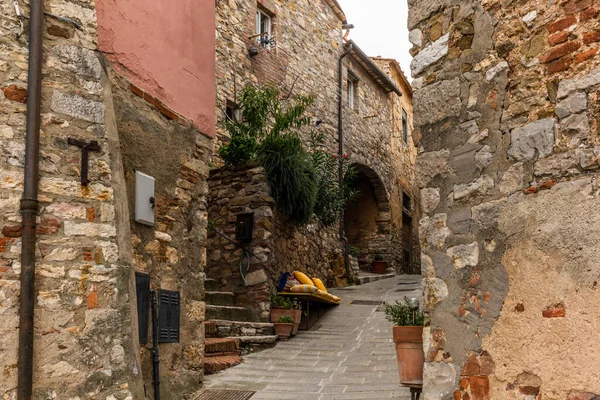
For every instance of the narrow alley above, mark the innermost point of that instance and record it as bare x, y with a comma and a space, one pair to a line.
348, 354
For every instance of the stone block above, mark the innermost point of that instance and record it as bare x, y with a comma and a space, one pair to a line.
429, 55
430, 198
78, 107
438, 380
573, 104
416, 37
433, 231
558, 164
78, 60
495, 70
430, 165
464, 255
437, 102
534, 140
479, 186
568, 86
576, 128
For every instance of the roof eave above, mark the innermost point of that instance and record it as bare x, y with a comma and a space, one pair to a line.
377, 74
337, 9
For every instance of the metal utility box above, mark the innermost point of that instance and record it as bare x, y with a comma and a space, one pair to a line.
244, 227
168, 316
144, 199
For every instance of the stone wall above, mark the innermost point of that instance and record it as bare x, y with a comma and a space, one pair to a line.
506, 119
304, 60
277, 245
85, 331
173, 251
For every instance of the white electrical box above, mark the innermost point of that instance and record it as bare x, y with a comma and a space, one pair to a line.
144, 199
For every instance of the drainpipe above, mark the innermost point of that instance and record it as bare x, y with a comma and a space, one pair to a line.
341, 154
29, 201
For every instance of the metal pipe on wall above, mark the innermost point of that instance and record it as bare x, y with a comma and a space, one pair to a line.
341, 153
29, 201
155, 357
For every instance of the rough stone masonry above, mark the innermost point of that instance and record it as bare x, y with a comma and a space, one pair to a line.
507, 117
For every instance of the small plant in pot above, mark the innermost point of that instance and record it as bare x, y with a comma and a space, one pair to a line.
354, 251
283, 306
408, 337
283, 327
379, 264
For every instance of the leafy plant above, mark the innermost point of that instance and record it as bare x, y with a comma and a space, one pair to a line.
354, 251
378, 257
281, 302
286, 319
402, 315
331, 196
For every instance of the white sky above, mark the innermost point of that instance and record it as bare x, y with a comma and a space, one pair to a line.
380, 28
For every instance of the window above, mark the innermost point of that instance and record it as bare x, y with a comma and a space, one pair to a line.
351, 90
406, 201
232, 111
404, 126
263, 28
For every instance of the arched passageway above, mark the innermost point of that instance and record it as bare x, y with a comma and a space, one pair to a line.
367, 219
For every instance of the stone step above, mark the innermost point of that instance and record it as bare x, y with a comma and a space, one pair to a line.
221, 345
257, 340
223, 328
374, 277
212, 285
230, 313
214, 364
219, 298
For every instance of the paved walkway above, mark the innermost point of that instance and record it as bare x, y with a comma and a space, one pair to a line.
348, 354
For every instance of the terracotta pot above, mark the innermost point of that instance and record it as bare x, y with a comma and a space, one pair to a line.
409, 352
283, 330
277, 313
379, 267
297, 315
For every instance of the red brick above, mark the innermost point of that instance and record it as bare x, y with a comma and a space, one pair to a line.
15, 93
548, 184
464, 383
558, 38
588, 14
480, 387
586, 55
466, 396
12, 231
471, 367
87, 254
3, 242
91, 214
591, 37
562, 24
560, 65
530, 190
486, 363
559, 51
520, 307
529, 390
457, 395
136, 90
555, 311
92, 300
575, 6
581, 396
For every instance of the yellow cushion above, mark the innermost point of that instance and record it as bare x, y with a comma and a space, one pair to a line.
304, 289
319, 284
305, 280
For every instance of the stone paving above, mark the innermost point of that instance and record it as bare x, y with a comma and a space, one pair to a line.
348, 354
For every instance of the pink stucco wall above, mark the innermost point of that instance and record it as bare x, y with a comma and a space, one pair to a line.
166, 48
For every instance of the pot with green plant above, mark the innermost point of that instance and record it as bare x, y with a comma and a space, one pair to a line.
408, 337
283, 327
379, 264
283, 306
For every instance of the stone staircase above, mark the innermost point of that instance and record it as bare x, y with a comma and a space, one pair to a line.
231, 330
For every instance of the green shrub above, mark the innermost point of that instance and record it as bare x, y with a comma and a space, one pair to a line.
286, 319
378, 257
281, 302
354, 251
400, 314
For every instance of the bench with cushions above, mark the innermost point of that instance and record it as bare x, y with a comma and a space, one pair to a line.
307, 291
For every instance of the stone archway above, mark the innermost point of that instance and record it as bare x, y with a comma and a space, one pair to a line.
367, 220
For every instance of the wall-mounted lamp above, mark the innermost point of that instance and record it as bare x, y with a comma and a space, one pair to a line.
253, 50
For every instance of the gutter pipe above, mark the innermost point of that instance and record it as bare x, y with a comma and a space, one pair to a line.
29, 201
341, 154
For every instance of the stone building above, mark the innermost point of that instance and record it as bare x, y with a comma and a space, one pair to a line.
143, 90
296, 46
506, 119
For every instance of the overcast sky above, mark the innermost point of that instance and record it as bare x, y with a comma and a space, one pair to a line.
380, 28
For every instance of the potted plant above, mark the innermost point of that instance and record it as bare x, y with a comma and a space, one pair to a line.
283, 327
379, 264
282, 306
354, 251
408, 337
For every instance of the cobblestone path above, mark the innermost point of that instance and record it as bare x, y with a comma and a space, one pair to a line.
348, 354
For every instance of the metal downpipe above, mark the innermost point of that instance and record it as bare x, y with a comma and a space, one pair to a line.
341, 153
29, 201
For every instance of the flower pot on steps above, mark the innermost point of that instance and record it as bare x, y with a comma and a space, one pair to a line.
296, 315
409, 352
283, 330
379, 267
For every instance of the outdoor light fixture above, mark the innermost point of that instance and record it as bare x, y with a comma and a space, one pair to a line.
253, 50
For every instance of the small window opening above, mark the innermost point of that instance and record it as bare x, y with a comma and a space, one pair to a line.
232, 111
263, 28
404, 126
406, 201
352, 90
